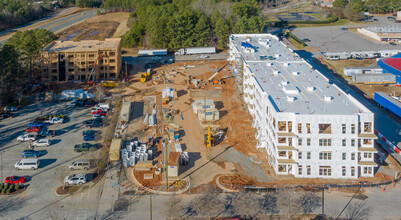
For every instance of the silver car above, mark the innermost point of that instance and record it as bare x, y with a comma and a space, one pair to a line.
41, 143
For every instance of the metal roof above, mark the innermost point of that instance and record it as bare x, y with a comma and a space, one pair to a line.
292, 85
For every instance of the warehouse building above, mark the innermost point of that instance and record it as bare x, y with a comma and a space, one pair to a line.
392, 65
382, 33
82, 60
309, 127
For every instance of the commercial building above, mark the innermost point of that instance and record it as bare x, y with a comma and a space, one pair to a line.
309, 127
82, 60
392, 65
382, 33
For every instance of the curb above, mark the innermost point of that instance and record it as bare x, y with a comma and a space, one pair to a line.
222, 187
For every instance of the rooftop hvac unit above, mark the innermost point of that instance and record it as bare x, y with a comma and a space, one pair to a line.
269, 64
290, 98
328, 98
276, 72
310, 88
284, 83
294, 73
276, 55
286, 64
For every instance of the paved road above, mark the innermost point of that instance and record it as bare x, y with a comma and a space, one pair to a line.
56, 25
39, 200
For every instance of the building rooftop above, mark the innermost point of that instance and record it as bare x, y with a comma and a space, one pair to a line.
82, 46
290, 82
395, 29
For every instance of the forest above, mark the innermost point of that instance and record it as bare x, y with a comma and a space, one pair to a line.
187, 23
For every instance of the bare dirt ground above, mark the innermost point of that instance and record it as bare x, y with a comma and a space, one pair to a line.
98, 28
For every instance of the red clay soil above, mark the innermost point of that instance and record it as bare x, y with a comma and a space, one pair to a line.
156, 181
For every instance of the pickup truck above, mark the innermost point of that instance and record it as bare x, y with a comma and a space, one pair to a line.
75, 179
26, 137
54, 120
85, 147
45, 133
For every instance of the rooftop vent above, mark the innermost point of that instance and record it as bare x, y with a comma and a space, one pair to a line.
328, 98
310, 88
290, 98
269, 64
276, 72
294, 73
286, 64
284, 83
276, 55
290, 89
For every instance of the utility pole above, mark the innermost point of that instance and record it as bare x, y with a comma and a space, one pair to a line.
150, 201
323, 200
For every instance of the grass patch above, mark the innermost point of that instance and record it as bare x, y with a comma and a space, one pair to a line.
339, 22
338, 65
296, 44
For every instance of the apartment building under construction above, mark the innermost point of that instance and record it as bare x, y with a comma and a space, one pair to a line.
82, 60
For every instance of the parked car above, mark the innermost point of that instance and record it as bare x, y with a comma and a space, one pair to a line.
15, 180
393, 43
10, 108
89, 103
99, 112
82, 164
75, 179
81, 103
33, 129
74, 102
32, 164
95, 109
375, 19
391, 18
89, 137
203, 56
94, 123
31, 153
305, 40
54, 120
88, 132
85, 147
7, 115
26, 137
41, 143
36, 124
97, 116
47, 132
103, 106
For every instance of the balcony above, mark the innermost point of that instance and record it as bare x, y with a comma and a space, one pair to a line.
366, 163
286, 134
367, 135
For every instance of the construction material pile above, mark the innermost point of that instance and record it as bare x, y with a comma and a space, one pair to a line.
206, 110
150, 119
135, 151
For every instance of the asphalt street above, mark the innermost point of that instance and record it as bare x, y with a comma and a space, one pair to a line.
36, 201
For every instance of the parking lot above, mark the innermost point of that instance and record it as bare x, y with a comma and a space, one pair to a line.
339, 39
41, 183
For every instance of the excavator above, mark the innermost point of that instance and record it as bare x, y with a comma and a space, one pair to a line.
209, 142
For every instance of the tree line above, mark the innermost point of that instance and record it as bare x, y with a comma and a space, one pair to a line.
351, 9
187, 23
19, 57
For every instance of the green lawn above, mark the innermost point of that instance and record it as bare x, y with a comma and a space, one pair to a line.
339, 22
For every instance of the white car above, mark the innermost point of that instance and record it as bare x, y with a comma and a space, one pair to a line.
41, 143
203, 56
26, 137
55, 120
96, 116
74, 102
75, 179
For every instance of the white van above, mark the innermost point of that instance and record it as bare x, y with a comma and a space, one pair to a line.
82, 164
26, 164
103, 106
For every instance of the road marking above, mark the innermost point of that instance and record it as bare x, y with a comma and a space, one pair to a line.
81, 214
85, 195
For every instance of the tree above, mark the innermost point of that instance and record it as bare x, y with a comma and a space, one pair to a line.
357, 6
99, 94
173, 206
222, 31
269, 203
340, 3
358, 211
309, 201
289, 201
246, 204
247, 8
208, 204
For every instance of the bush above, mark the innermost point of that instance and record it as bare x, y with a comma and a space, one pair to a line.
328, 21
1, 186
8, 191
6, 186
11, 187
3, 190
17, 187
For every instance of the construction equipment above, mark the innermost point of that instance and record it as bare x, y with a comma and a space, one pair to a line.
92, 77
146, 76
110, 84
209, 142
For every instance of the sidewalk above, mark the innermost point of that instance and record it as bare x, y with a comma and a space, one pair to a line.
109, 194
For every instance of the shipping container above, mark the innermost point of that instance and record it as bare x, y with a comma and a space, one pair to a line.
196, 50
153, 52
388, 103
374, 78
349, 71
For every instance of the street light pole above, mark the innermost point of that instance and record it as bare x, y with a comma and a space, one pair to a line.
323, 200
150, 201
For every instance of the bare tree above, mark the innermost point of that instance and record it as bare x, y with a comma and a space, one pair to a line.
289, 200
247, 204
99, 94
358, 211
208, 204
269, 203
309, 201
173, 206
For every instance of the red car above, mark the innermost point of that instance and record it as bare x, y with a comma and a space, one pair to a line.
15, 180
99, 112
33, 129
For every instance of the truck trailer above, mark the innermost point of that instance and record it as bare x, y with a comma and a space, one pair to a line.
388, 103
153, 52
196, 50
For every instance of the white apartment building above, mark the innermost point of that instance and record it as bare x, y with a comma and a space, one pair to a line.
309, 127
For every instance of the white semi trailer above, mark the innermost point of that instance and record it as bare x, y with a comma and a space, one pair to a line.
196, 50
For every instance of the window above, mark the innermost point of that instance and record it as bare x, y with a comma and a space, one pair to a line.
324, 171
367, 155
83, 70
282, 140
308, 142
325, 156
367, 127
308, 155
282, 168
70, 63
352, 171
325, 142
112, 60
112, 53
352, 128
344, 156
112, 75
299, 128
101, 75
300, 155
290, 141
324, 128
352, 142
70, 77
344, 142
367, 141
299, 141
112, 68
367, 170
282, 126
83, 63
299, 169
352, 156
308, 170
344, 128
308, 128
344, 171
282, 153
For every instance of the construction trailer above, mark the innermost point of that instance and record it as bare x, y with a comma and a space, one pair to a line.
115, 149
374, 78
388, 103
349, 71
153, 52
337, 56
173, 165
